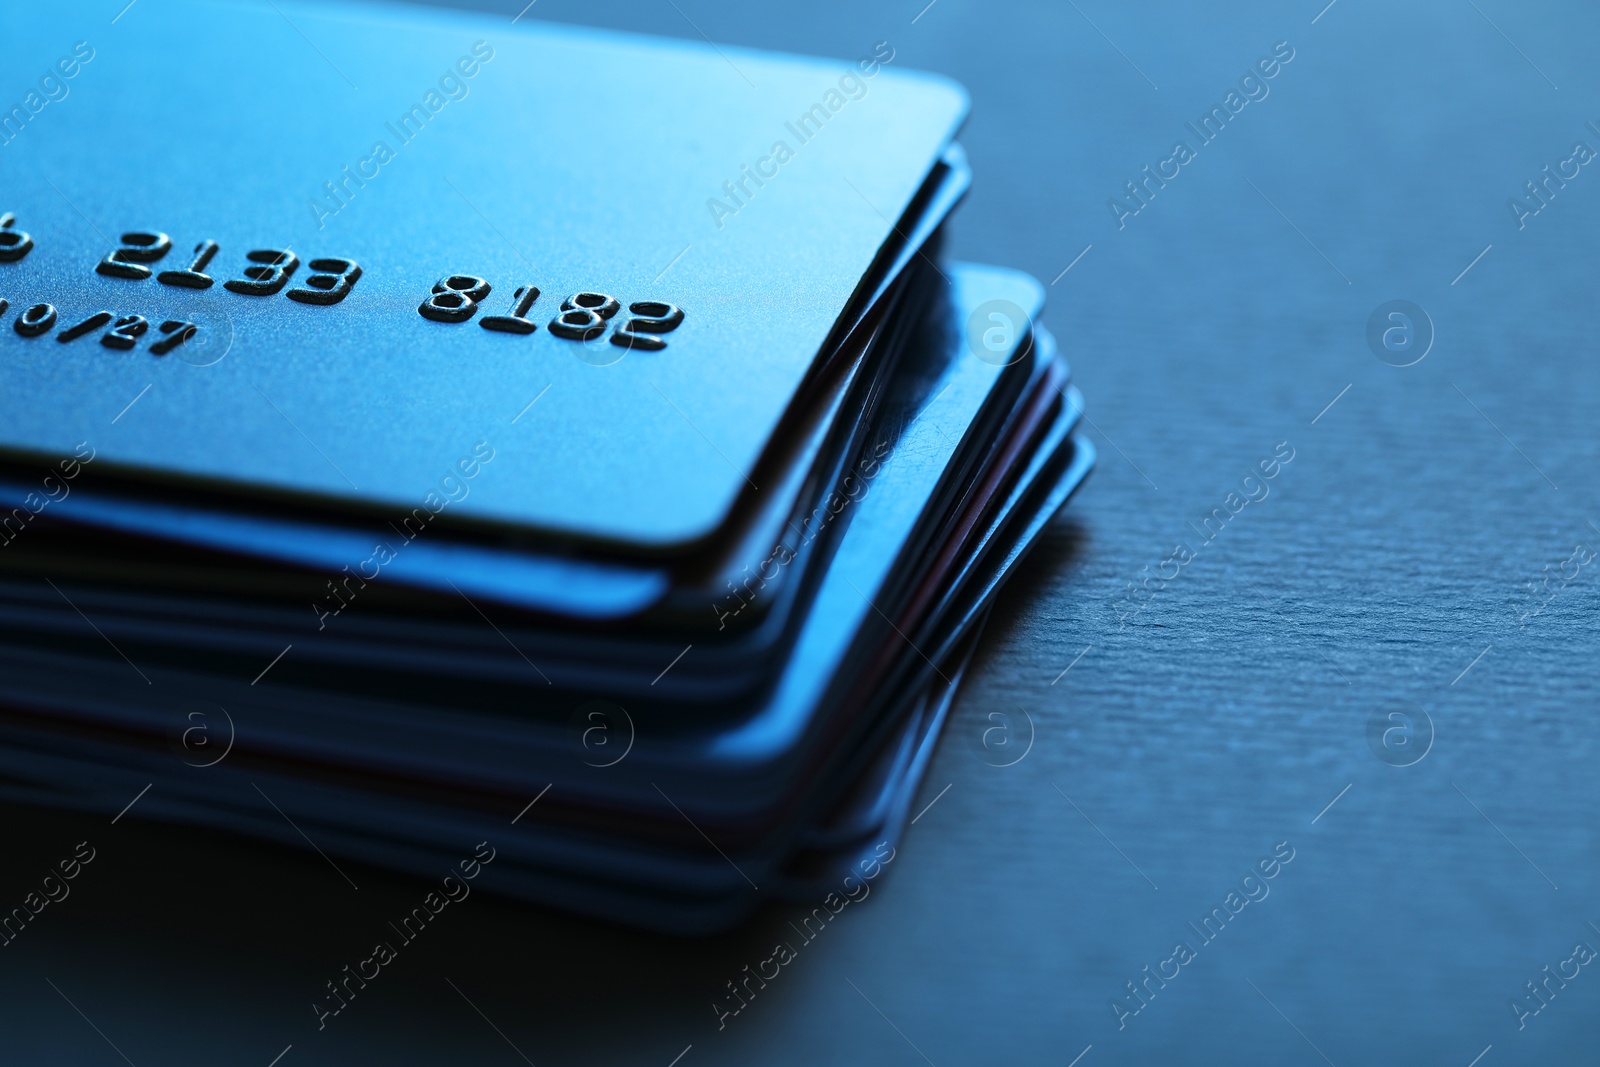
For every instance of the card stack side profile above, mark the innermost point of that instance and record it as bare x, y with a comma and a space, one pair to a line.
421, 432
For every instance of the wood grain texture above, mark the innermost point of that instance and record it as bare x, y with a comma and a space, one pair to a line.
1387, 567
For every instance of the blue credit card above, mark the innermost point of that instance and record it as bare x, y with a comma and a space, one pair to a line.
334, 253
905, 487
549, 863
944, 391
578, 586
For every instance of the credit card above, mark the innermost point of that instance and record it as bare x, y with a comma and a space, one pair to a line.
316, 263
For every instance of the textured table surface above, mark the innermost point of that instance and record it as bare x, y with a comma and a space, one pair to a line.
1385, 569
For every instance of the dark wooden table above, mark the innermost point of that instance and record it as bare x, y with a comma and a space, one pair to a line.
1384, 570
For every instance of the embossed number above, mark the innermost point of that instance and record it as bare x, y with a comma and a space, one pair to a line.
330, 283
583, 316
455, 299
194, 277
14, 244
175, 333
137, 248
269, 271
649, 319
125, 332
36, 320
517, 321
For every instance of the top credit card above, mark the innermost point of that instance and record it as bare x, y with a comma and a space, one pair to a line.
338, 254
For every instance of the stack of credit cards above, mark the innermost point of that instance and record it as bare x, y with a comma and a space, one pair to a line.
421, 430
